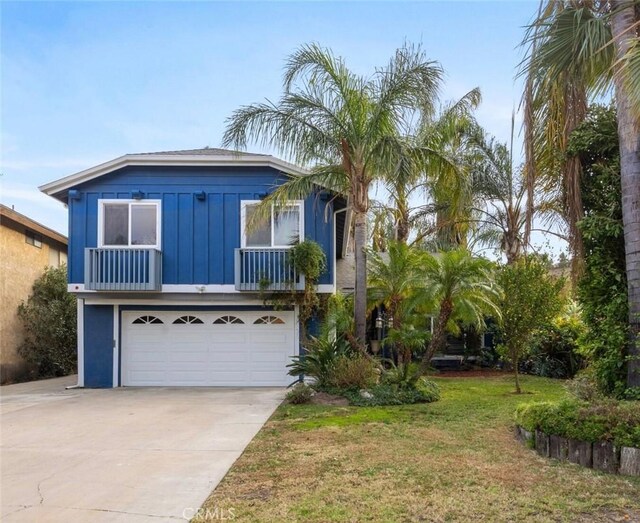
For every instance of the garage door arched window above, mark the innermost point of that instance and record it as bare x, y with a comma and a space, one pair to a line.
147, 320
228, 320
269, 320
187, 320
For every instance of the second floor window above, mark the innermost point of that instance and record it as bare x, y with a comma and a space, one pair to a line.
124, 223
282, 228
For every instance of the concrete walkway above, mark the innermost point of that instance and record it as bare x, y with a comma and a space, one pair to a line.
120, 455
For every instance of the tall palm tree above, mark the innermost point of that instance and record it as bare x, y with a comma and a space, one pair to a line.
429, 182
463, 287
500, 191
579, 48
344, 127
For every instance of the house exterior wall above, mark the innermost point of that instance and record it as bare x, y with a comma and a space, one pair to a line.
98, 345
198, 236
20, 265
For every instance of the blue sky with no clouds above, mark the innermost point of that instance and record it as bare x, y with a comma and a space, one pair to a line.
85, 82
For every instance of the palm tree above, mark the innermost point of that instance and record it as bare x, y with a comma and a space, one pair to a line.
579, 48
429, 183
344, 126
500, 191
463, 287
394, 276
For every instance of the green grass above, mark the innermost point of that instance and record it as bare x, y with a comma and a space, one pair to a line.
453, 460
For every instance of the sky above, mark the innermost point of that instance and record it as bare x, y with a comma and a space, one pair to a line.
85, 82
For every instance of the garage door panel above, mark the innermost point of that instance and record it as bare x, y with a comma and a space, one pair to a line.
207, 354
149, 357
233, 358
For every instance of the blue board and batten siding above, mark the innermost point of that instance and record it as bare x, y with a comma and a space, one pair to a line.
98, 345
198, 236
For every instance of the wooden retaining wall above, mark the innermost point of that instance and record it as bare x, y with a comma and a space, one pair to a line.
602, 455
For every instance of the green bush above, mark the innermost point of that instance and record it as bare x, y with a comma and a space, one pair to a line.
553, 350
610, 420
49, 319
319, 360
299, 394
584, 387
424, 391
353, 372
404, 376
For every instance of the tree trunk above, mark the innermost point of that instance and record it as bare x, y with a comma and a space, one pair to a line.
516, 361
622, 20
403, 228
360, 296
439, 337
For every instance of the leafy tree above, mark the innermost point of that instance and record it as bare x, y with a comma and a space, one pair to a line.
49, 318
344, 126
603, 287
463, 288
531, 299
578, 49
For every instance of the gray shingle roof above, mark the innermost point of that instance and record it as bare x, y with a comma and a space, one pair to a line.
205, 151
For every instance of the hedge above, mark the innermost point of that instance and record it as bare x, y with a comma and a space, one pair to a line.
614, 421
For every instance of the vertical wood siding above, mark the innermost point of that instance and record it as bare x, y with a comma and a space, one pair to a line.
198, 236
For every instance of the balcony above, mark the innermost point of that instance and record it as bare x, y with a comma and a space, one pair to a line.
266, 269
113, 269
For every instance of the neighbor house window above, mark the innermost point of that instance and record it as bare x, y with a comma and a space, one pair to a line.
281, 228
33, 239
124, 223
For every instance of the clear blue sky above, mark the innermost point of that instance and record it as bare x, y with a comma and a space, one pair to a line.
85, 82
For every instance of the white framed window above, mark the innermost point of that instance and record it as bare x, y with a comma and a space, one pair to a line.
283, 228
129, 223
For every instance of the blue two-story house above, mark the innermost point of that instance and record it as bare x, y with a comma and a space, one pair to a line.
168, 278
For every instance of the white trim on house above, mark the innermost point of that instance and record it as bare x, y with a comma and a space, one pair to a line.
80, 341
181, 160
172, 303
130, 202
191, 289
116, 345
296, 329
243, 222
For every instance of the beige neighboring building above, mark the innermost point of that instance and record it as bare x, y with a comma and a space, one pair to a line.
26, 248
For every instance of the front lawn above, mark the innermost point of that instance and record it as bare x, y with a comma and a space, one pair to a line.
453, 460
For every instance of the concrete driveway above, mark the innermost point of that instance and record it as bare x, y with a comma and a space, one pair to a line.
130, 455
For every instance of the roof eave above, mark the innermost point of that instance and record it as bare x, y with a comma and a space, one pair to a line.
57, 188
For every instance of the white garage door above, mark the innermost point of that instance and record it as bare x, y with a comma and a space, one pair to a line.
207, 348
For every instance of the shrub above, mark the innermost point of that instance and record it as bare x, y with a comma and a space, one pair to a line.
404, 376
49, 319
584, 387
299, 394
353, 372
319, 359
610, 420
553, 350
386, 394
